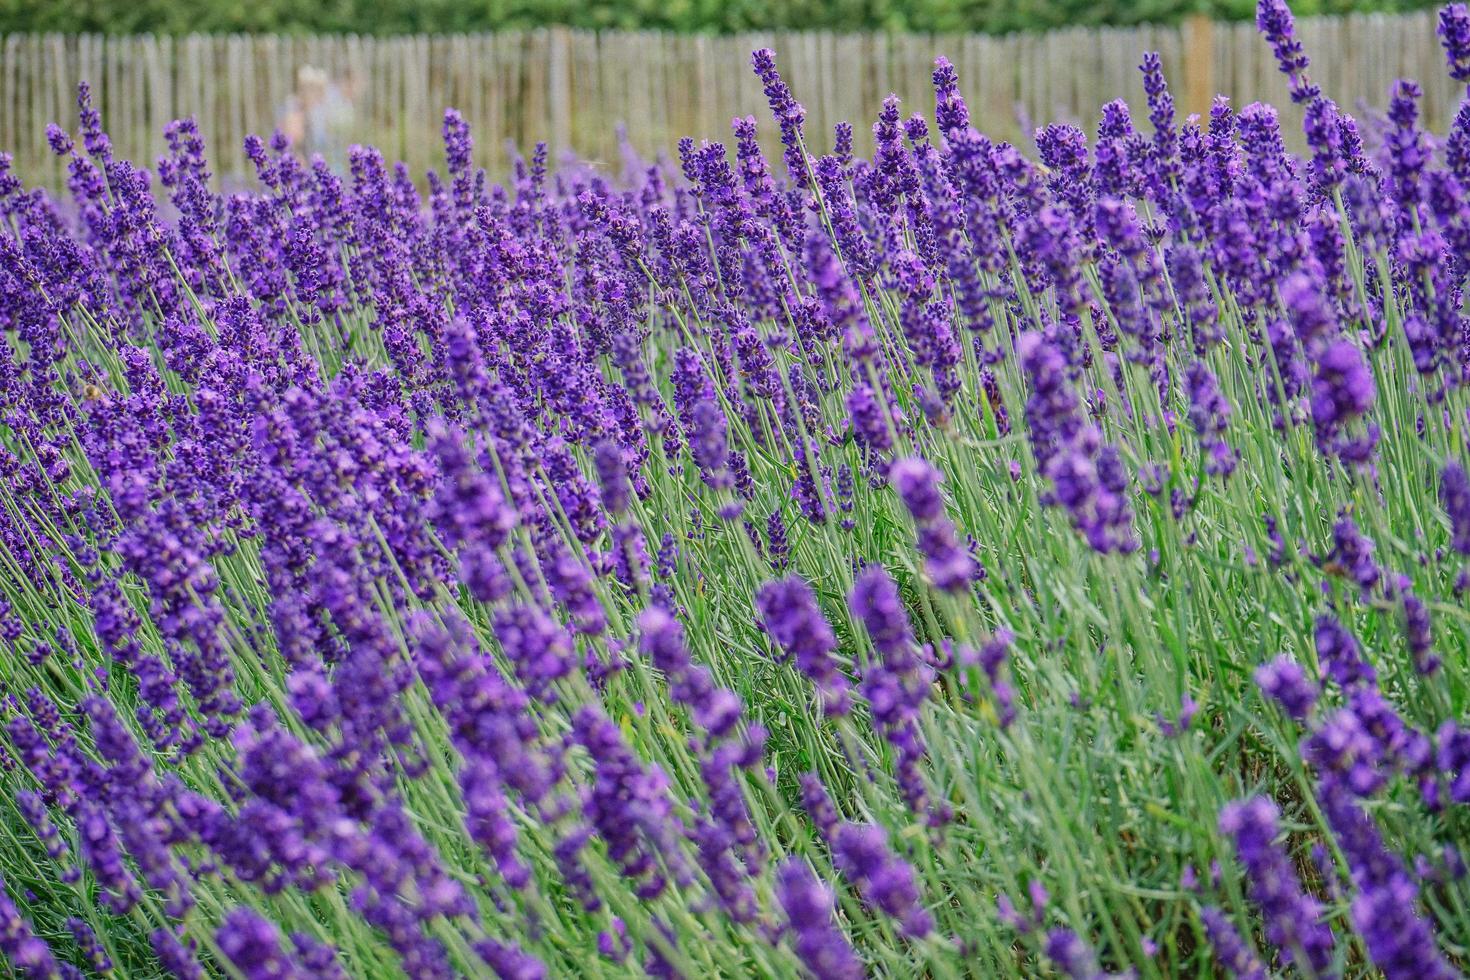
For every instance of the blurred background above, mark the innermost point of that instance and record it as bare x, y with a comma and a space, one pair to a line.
389, 17
578, 73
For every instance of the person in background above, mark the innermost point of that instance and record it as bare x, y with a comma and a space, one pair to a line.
317, 117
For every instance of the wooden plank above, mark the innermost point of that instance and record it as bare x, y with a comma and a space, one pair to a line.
1199, 65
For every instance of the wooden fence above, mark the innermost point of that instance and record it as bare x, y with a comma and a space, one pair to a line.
574, 88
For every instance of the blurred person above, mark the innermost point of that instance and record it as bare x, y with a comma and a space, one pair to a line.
316, 117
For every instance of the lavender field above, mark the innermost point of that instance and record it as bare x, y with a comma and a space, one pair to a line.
980, 560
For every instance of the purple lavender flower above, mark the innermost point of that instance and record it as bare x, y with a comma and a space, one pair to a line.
1454, 36
1088, 477
851, 240
818, 942
1072, 955
253, 945
104, 857
1454, 496
1385, 909
1024, 922
178, 957
1293, 918
1352, 555
917, 483
1163, 162
869, 419
1339, 655
818, 806
1284, 681
1274, 20
91, 948
789, 613
1452, 758
1090, 482
23, 949
727, 846
948, 565
992, 657
788, 112
317, 959
538, 647
1230, 949
716, 709
951, 114
778, 543
1209, 413
509, 961
1363, 744
612, 476
629, 807
897, 685
1342, 390
1418, 633
1178, 725
33, 808
862, 854
1323, 125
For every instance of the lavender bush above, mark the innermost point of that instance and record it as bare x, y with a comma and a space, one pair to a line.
963, 562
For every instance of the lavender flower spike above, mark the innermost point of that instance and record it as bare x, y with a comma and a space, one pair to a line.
822, 948
790, 616
1293, 918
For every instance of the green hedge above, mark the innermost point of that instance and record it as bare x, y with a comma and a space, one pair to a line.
719, 16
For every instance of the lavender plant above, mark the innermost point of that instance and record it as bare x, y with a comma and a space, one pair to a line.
746, 568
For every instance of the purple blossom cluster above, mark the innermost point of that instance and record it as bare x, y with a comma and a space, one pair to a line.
686, 570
